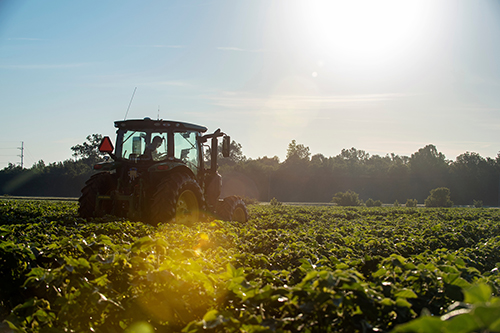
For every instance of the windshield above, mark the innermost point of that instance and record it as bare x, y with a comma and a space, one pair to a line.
147, 146
143, 145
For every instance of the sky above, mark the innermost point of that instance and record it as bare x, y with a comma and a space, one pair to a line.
382, 76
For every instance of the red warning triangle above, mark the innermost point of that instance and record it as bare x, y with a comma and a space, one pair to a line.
106, 145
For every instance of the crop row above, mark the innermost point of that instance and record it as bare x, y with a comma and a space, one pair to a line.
307, 269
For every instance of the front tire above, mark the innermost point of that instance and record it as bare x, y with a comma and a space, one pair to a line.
233, 208
178, 199
102, 183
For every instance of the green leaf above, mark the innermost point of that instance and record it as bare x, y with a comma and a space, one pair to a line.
462, 283
460, 321
83, 263
387, 302
311, 275
495, 326
379, 273
232, 272
342, 266
406, 293
421, 325
486, 314
479, 293
102, 281
460, 262
140, 327
104, 239
402, 302
449, 269
212, 319
142, 244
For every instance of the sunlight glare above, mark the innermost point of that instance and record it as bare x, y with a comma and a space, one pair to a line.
363, 32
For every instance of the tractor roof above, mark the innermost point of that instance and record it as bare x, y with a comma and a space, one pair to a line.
148, 123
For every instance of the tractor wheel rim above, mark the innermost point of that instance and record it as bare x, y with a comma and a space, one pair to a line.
187, 208
239, 215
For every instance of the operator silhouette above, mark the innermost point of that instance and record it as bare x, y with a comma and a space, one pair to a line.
150, 151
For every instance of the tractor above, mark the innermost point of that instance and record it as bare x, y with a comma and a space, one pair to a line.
157, 173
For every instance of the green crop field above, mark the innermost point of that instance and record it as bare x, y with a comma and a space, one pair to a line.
289, 269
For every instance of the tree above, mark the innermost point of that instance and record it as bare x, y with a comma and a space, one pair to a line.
39, 166
427, 160
474, 177
297, 151
354, 154
348, 198
351, 162
89, 150
235, 154
439, 197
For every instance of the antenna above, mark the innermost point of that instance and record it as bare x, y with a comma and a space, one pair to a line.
158, 117
133, 94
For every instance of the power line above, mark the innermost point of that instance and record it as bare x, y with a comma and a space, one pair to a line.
13, 155
29, 155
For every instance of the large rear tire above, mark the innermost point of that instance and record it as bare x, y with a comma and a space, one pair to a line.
233, 208
178, 199
99, 184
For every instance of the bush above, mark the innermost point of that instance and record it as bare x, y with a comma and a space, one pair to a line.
478, 203
275, 203
397, 204
411, 203
348, 198
439, 197
250, 201
373, 203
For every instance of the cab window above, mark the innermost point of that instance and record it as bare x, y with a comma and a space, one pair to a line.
134, 143
144, 146
186, 149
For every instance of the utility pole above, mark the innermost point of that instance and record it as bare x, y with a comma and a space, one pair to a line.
22, 154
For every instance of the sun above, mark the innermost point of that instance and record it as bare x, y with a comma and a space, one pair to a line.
363, 32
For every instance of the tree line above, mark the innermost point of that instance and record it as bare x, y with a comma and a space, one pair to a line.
58, 179
301, 177
305, 178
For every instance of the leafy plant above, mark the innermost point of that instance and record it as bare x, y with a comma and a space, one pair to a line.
296, 268
439, 197
411, 203
250, 201
348, 198
479, 312
373, 203
275, 203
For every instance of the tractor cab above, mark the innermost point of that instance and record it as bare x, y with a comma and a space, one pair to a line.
148, 142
